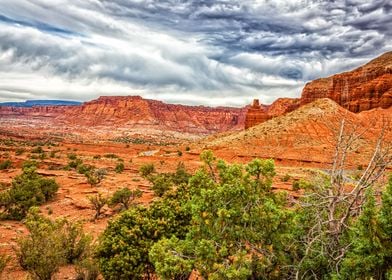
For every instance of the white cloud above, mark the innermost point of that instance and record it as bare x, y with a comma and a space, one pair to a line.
193, 52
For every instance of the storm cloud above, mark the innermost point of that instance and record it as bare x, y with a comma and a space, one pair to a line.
192, 52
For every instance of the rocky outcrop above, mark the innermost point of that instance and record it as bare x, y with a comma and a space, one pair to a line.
364, 88
135, 111
282, 106
255, 115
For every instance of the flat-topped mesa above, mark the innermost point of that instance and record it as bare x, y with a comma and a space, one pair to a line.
364, 88
255, 115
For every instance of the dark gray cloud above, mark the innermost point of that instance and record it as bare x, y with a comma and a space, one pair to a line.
183, 51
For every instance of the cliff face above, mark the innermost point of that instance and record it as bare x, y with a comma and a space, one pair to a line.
38, 111
134, 111
364, 88
255, 115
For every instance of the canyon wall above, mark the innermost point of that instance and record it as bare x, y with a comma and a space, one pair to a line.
135, 111
364, 88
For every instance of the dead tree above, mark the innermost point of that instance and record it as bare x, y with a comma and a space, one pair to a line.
335, 203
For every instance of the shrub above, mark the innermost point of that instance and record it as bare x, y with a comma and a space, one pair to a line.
83, 168
161, 183
87, 268
300, 184
50, 244
179, 153
5, 164
3, 262
124, 197
119, 167
187, 149
125, 244
37, 150
72, 156
27, 190
19, 151
74, 241
41, 252
111, 156
73, 164
95, 176
147, 169
286, 178
97, 203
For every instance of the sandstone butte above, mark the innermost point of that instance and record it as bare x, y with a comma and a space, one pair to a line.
364, 88
135, 111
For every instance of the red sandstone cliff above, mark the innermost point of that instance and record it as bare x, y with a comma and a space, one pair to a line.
134, 111
364, 88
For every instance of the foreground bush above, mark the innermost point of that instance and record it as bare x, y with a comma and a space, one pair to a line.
49, 245
3, 262
227, 222
27, 190
125, 244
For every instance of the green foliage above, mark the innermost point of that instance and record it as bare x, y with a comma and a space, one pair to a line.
371, 237
111, 156
5, 164
226, 222
73, 164
74, 241
72, 156
119, 167
125, 244
37, 150
95, 176
301, 184
208, 158
49, 245
19, 151
286, 178
84, 169
175, 265
3, 262
125, 197
239, 227
27, 190
163, 182
147, 169
87, 268
97, 203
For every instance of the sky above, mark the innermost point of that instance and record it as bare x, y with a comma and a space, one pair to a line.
184, 51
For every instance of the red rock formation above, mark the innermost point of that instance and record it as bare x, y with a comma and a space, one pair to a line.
282, 106
364, 88
255, 115
134, 111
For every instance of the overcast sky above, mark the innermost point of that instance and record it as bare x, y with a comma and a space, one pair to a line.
190, 52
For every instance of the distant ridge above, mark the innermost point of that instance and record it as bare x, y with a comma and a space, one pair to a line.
32, 103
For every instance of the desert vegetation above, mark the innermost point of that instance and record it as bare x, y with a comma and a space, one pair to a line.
226, 222
27, 189
220, 219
